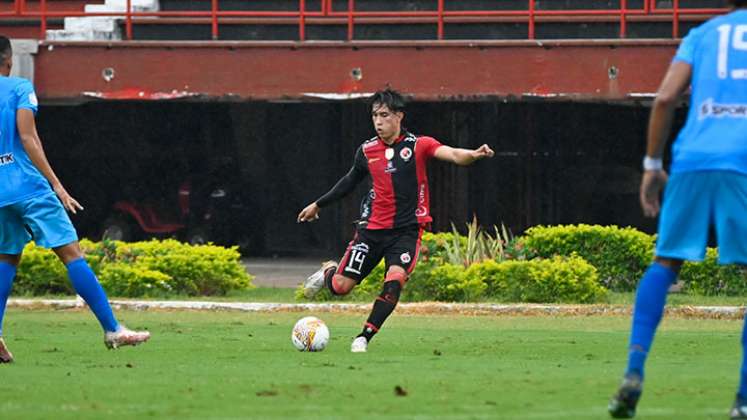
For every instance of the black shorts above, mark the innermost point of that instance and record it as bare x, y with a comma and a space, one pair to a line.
398, 247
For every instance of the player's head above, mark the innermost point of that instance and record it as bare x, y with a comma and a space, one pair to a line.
387, 111
738, 3
6, 55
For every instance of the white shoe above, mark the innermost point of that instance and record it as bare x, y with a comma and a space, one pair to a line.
315, 282
5, 355
125, 337
360, 345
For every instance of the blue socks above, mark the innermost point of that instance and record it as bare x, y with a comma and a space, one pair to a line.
743, 374
88, 287
7, 273
649, 308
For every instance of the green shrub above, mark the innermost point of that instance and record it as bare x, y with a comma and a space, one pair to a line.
560, 279
710, 278
620, 254
152, 268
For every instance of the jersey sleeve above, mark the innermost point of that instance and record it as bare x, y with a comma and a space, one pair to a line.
686, 51
428, 146
347, 183
26, 96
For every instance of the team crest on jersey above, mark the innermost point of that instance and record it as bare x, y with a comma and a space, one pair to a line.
389, 153
6, 159
405, 154
405, 258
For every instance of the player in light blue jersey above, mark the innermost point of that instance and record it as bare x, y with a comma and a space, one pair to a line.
33, 203
708, 185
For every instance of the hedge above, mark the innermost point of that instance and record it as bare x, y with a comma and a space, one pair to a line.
621, 255
558, 279
140, 269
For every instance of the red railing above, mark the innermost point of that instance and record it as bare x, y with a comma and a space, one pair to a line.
326, 13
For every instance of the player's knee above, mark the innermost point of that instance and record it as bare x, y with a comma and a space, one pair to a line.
669, 263
69, 253
342, 285
11, 259
397, 274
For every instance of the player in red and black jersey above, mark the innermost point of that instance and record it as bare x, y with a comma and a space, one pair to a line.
395, 213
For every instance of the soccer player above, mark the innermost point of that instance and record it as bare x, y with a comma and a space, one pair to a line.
395, 213
708, 185
32, 206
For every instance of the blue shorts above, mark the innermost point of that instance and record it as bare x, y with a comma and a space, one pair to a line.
44, 216
695, 201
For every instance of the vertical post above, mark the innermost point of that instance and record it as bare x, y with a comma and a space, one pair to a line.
440, 32
676, 19
18, 7
43, 28
214, 19
623, 19
302, 20
351, 6
531, 19
647, 7
128, 20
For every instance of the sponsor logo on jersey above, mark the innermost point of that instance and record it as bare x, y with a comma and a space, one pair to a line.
715, 110
405, 258
361, 247
7, 159
405, 154
390, 168
421, 211
33, 99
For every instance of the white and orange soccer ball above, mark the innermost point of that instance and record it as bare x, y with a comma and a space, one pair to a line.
310, 334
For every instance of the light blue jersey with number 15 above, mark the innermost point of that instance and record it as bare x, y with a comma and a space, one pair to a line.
715, 134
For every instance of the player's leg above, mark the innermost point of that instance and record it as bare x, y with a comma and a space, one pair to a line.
51, 228
340, 279
731, 233
13, 237
401, 257
683, 233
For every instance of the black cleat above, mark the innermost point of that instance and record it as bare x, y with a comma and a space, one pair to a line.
622, 405
739, 409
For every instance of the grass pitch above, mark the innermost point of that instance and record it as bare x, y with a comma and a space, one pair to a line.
239, 365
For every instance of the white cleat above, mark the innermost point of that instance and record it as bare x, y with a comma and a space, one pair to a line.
125, 337
315, 282
5, 355
360, 345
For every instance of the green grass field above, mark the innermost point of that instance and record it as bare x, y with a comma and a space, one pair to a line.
241, 365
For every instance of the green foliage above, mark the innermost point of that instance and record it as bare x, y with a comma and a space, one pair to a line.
152, 268
620, 254
477, 246
709, 278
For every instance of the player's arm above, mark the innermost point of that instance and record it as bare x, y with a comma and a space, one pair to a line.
33, 146
675, 83
463, 157
343, 187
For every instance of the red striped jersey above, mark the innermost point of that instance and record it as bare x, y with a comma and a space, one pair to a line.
399, 194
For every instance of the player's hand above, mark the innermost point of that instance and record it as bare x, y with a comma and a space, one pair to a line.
309, 214
483, 151
651, 185
67, 201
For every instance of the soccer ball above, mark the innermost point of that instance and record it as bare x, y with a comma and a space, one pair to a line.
310, 334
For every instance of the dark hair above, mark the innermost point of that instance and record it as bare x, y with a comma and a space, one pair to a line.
389, 97
738, 3
5, 50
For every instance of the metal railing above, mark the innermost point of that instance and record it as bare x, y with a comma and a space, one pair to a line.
326, 13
